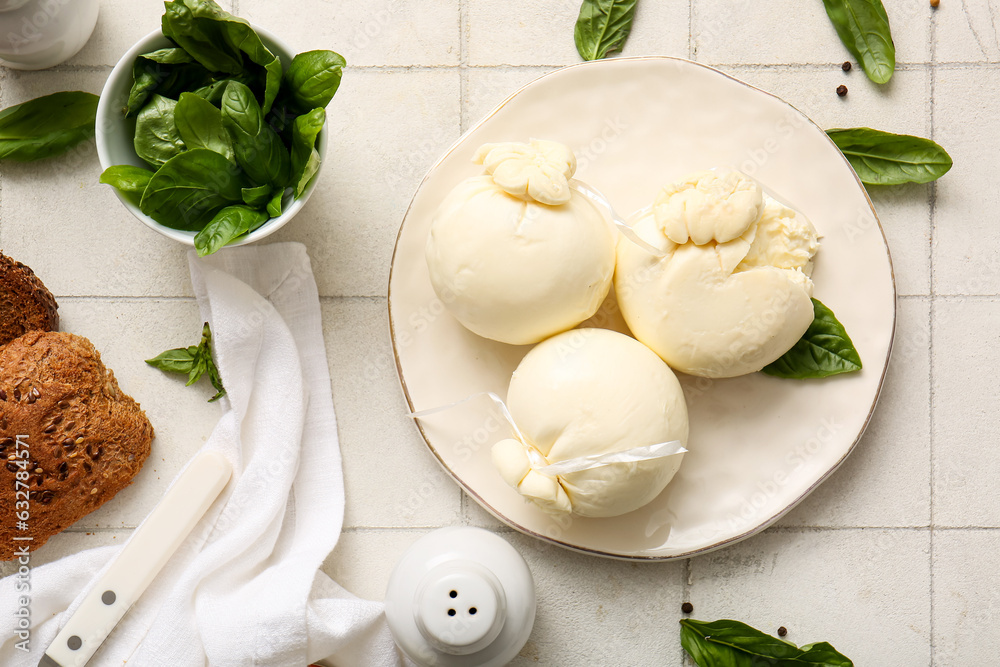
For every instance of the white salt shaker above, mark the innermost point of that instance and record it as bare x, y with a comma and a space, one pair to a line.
35, 34
461, 597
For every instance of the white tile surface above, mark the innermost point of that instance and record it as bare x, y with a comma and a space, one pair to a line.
967, 31
387, 32
420, 72
524, 32
966, 597
966, 350
391, 478
966, 243
864, 591
788, 31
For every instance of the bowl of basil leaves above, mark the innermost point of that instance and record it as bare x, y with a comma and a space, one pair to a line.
210, 129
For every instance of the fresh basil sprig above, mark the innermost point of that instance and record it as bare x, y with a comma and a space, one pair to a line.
727, 643
46, 126
863, 27
231, 138
883, 158
825, 349
192, 361
603, 26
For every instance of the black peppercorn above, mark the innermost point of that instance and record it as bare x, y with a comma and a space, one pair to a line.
782, 631
687, 607
841, 90
846, 66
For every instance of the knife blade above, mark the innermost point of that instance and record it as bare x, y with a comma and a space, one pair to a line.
138, 563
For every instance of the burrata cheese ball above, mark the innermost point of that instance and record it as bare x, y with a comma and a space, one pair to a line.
732, 291
589, 392
517, 255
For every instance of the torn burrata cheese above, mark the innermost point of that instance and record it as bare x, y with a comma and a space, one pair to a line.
517, 255
731, 292
591, 392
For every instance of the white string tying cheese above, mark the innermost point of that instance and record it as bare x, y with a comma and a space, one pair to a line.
538, 461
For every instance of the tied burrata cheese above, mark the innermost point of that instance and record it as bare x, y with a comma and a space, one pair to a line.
590, 392
732, 292
517, 255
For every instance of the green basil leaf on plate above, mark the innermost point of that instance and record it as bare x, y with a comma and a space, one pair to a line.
156, 136
149, 71
603, 26
863, 27
313, 77
257, 197
257, 147
305, 157
825, 349
130, 181
46, 126
228, 224
189, 189
883, 158
218, 40
200, 125
727, 643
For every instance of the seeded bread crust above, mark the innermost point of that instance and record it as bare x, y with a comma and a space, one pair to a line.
25, 304
86, 439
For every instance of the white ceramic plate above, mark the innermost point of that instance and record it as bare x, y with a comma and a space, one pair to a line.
758, 445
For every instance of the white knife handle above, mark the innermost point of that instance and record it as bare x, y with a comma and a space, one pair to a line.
151, 546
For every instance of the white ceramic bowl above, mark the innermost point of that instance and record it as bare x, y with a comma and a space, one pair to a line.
115, 135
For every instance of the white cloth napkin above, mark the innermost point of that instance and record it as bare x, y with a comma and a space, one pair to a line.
245, 588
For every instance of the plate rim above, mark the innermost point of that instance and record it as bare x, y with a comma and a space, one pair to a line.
597, 552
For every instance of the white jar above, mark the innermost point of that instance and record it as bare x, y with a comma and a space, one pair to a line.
36, 34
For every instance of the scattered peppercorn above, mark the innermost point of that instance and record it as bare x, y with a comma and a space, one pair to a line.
935, 3
841, 90
846, 66
687, 607
782, 631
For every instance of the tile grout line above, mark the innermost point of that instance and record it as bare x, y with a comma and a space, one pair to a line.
690, 30
932, 207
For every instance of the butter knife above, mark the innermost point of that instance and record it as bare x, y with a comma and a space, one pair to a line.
152, 545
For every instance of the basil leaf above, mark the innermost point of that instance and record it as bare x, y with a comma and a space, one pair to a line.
228, 224
257, 147
274, 206
180, 360
863, 27
825, 349
313, 78
46, 126
216, 380
305, 157
189, 189
603, 26
727, 643
218, 40
200, 125
258, 196
130, 181
156, 136
150, 70
883, 158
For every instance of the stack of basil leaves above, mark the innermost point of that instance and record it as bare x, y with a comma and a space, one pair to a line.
229, 135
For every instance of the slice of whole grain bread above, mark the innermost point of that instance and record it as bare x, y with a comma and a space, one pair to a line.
84, 438
25, 304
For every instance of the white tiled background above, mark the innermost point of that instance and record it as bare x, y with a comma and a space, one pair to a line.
893, 560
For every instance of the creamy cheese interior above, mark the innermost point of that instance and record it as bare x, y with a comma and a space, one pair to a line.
718, 308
